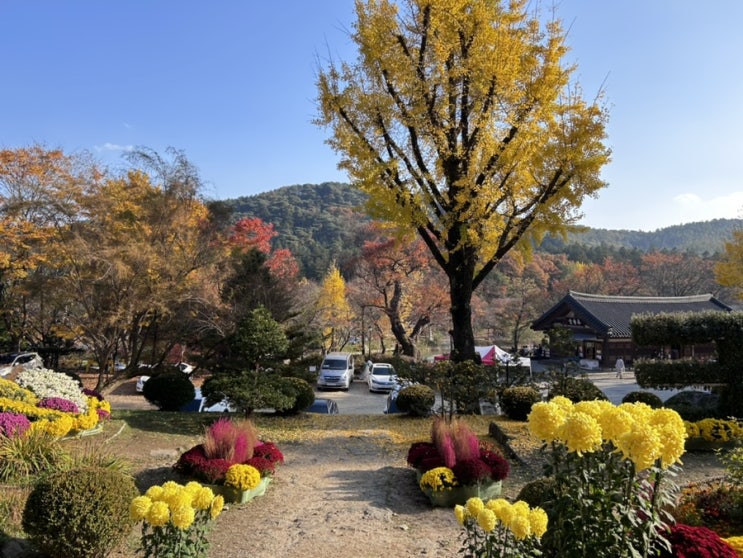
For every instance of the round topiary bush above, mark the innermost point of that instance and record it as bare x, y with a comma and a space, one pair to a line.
169, 392
301, 391
82, 513
694, 405
516, 401
537, 492
577, 389
647, 397
416, 400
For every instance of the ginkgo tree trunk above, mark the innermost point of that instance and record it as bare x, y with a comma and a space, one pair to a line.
460, 120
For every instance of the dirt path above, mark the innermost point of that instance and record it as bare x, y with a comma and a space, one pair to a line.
343, 498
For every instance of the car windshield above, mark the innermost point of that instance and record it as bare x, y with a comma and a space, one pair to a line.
383, 371
334, 364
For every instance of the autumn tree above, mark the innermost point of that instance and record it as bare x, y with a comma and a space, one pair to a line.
518, 293
38, 187
460, 121
397, 277
676, 274
729, 270
335, 315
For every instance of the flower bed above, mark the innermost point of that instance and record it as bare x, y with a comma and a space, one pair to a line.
52, 402
232, 457
711, 434
455, 465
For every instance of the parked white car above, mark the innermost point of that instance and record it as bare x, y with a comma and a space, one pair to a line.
23, 360
381, 377
184, 367
140, 383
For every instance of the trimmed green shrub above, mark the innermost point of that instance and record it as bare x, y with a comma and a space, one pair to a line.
416, 400
516, 401
82, 513
302, 393
537, 492
577, 389
694, 405
169, 392
646, 397
731, 401
664, 374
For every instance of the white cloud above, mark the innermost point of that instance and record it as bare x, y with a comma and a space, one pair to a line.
692, 207
113, 147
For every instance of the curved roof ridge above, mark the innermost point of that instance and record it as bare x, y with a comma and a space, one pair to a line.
619, 298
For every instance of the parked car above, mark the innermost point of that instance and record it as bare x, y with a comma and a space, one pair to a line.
23, 360
140, 383
381, 377
336, 371
222, 406
390, 405
324, 407
184, 367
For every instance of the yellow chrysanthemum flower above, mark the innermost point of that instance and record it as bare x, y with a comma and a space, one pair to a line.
545, 420
486, 520
641, 445
638, 410
520, 526
192, 487
438, 478
538, 522
474, 506
202, 499
594, 408
170, 492
460, 513
183, 517
60, 426
86, 421
563, 402
139, 507
242, 477
581, 433
672, 433
158, 515
520, 507
501, 508
216, 507
154, 492
180, 498
615, 422
692, 430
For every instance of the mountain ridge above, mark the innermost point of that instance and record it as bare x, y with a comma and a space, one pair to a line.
320, 224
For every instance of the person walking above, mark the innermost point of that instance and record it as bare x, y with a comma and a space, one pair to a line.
619, 367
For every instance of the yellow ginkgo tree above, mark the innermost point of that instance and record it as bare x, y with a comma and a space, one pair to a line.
462, 123
334, 311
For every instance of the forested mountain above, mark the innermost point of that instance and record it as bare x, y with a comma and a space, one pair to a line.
319, 224
703, 238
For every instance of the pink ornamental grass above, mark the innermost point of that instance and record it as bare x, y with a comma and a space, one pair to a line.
441, 435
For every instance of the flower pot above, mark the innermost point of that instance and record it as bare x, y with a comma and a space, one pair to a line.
449, 497
233, 495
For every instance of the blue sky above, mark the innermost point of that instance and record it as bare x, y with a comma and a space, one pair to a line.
232, 84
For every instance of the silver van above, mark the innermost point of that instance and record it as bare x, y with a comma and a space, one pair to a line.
336, 371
